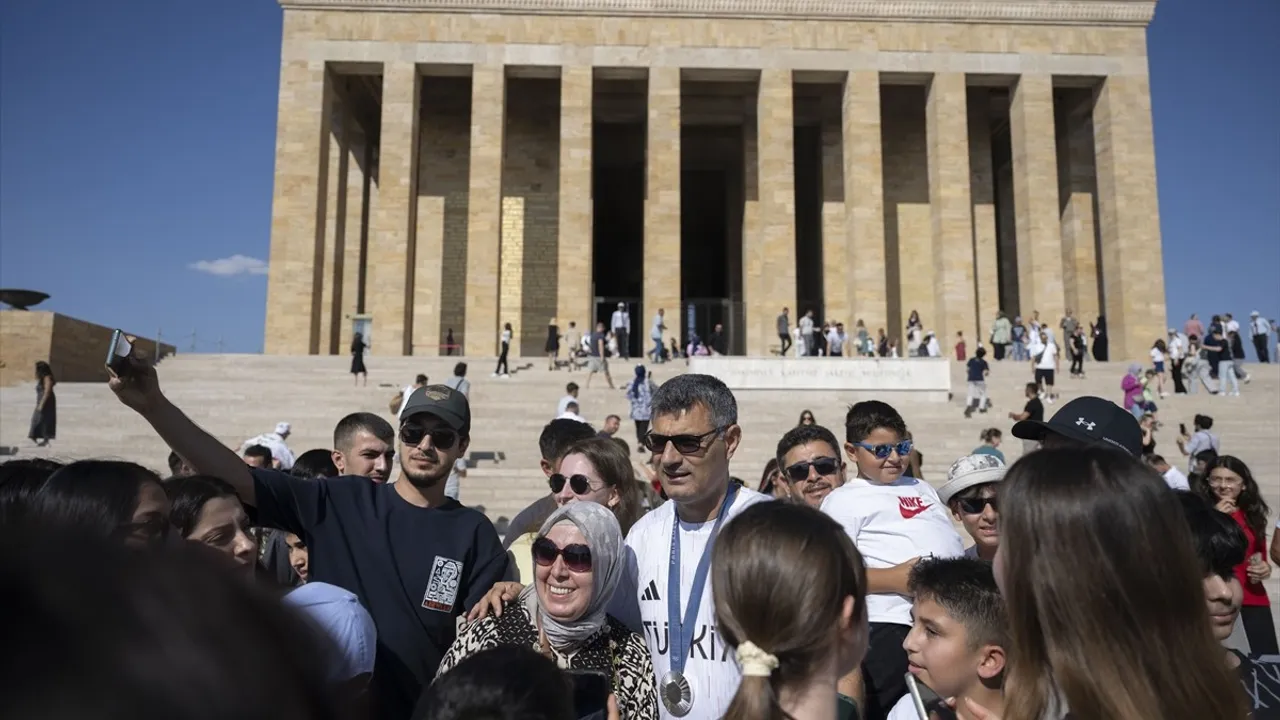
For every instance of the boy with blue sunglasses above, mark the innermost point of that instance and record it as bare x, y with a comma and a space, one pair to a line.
894, 519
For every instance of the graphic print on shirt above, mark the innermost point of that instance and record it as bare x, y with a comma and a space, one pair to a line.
651, 592
442, 587
912, 506
706, 644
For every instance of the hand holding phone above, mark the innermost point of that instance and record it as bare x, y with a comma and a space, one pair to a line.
118, 354
929, 704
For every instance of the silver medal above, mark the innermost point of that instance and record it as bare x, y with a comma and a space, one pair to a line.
675, 693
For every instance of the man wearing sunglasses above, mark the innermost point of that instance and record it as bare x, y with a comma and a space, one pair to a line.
970, 492
415, 558
694, 433
810, 464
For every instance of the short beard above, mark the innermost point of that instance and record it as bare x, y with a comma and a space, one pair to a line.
422, 481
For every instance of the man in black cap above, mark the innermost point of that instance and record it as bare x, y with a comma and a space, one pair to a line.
415, 558
1085, 421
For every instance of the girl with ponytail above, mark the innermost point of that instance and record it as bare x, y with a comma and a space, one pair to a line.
790, 591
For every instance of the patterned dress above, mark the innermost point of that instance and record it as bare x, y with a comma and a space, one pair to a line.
616, 651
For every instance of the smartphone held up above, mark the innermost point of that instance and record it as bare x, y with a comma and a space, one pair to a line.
118, 354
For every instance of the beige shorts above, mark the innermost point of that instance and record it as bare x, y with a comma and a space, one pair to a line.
595, 364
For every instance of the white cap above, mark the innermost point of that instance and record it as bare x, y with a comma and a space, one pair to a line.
282, 428
971, 470
1255, 313
339, 614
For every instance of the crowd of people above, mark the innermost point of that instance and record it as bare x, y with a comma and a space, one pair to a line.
1096, 580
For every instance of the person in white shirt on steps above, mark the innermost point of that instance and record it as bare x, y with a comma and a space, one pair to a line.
894, 520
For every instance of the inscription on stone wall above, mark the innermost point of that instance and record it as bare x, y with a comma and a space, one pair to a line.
914, 375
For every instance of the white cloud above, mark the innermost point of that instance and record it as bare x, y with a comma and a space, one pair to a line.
234, 265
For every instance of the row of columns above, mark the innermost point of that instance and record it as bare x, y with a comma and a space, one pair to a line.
962, 237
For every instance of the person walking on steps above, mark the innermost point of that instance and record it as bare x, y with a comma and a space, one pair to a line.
358, 347
502, 370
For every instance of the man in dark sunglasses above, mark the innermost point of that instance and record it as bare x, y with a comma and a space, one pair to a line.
415, 558
970, 492
809, 460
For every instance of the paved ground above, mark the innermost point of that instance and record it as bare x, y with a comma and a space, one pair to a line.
238, 396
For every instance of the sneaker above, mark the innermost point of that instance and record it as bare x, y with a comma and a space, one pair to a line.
504, 376
968, 412
494, 375
1248, 379
1050, 400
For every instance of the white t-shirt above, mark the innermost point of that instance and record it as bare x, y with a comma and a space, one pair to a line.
564, 404
1049, 360
454, 483
1156, 355
404, 398
904, 709
712, 672
890, 524
1176, 480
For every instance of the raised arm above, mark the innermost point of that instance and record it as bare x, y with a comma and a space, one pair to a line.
139, 389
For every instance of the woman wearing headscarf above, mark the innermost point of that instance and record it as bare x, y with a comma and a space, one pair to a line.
640, 393
1100, 339
579, 563
1131, 385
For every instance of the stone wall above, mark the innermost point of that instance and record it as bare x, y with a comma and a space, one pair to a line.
75, 349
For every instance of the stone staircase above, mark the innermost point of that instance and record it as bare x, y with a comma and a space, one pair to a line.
238, 396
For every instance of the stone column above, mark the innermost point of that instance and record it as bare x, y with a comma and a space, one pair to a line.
864, 201
1129, 215
946, 120
662, 206
353, 261
1035, 199
573, 279
769, 248
1076, 188
298, 209
835, 242
982, 192
331, 271
394, 220
484, 210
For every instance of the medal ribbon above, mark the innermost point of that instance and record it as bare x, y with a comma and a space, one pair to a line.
681, 627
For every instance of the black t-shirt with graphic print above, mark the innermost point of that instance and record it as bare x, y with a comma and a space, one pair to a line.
414, 569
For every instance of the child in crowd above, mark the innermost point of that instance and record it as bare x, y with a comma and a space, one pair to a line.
977, 369
1034, 411
957, 642
970, 492
894, 520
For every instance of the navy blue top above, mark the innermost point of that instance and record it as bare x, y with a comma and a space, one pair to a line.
977, 369
414, 569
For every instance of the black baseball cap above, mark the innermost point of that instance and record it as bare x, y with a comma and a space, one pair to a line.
442, 401
1090, 420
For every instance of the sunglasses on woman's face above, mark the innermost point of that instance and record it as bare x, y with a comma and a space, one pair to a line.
824, 465
975, 505
884, 450
579, 484
577, 557
441, 438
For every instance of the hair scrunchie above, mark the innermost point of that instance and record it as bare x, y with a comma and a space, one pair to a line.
754, 661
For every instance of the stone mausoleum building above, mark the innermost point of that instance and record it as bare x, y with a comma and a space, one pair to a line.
459, 164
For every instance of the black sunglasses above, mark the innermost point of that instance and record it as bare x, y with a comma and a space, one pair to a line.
441, 438
579, 484
684, 444
824, 465
975, 505
577, 557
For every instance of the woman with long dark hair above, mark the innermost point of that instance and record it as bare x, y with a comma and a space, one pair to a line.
108, 499
44, 421
1120, 645
358, 369
207, 510
1232, 490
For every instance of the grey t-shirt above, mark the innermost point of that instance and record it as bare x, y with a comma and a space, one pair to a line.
460, 384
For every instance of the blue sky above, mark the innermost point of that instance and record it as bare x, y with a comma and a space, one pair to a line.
137, 140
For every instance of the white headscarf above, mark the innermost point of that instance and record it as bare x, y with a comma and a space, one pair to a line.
599, 526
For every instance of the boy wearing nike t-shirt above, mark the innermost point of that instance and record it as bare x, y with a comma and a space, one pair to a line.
894, 520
